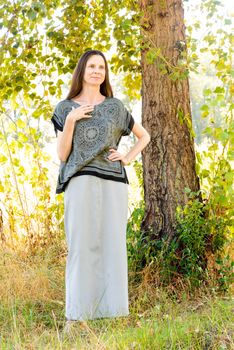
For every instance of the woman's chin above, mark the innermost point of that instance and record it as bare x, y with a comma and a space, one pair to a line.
92, 81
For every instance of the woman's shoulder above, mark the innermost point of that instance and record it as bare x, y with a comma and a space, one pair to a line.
63, 107
63, 103
116, 100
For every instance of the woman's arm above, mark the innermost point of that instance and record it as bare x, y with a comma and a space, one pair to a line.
64, 141
143, 139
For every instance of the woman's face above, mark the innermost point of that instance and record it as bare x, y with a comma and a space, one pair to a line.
95, 70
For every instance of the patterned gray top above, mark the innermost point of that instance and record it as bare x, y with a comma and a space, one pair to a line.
92, 139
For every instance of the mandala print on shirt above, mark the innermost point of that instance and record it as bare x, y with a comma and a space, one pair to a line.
90, 135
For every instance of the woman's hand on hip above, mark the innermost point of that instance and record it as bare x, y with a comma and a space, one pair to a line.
79, 113
115, 155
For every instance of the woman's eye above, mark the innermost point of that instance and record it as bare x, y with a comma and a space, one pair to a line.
93, 66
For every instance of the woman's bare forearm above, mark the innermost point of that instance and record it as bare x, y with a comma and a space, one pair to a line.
64, 144
137, 148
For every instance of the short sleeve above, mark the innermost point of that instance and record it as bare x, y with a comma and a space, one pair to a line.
128, 122
59, 115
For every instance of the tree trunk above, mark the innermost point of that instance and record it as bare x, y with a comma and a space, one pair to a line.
169, 159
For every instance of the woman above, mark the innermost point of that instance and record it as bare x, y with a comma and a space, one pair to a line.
89, 124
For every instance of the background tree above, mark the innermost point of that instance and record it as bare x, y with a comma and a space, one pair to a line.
169, 160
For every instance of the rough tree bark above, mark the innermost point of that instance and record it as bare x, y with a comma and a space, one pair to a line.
169, 159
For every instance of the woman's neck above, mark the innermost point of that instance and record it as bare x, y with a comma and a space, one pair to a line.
90, 95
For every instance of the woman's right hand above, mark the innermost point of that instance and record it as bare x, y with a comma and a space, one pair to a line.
79, 113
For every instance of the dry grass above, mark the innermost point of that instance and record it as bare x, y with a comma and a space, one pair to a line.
32, 311
35, 278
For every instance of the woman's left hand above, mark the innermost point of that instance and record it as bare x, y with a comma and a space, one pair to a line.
115, 155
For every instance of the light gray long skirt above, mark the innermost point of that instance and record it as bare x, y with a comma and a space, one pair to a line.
96, 268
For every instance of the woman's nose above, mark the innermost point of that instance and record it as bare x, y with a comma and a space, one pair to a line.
96, 70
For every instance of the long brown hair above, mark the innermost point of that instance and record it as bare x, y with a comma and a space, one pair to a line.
78, 74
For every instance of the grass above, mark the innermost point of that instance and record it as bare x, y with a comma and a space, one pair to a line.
32, 313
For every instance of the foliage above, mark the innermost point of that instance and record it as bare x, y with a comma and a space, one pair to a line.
138, 250
188, 256
200, 237
215, 162
42, 41
28, 213
210, 49
215, 155
198, 253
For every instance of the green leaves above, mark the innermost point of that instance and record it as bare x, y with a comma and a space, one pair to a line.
21, 123
3, 158
219, 90
215, 152
152, 54
31, 14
